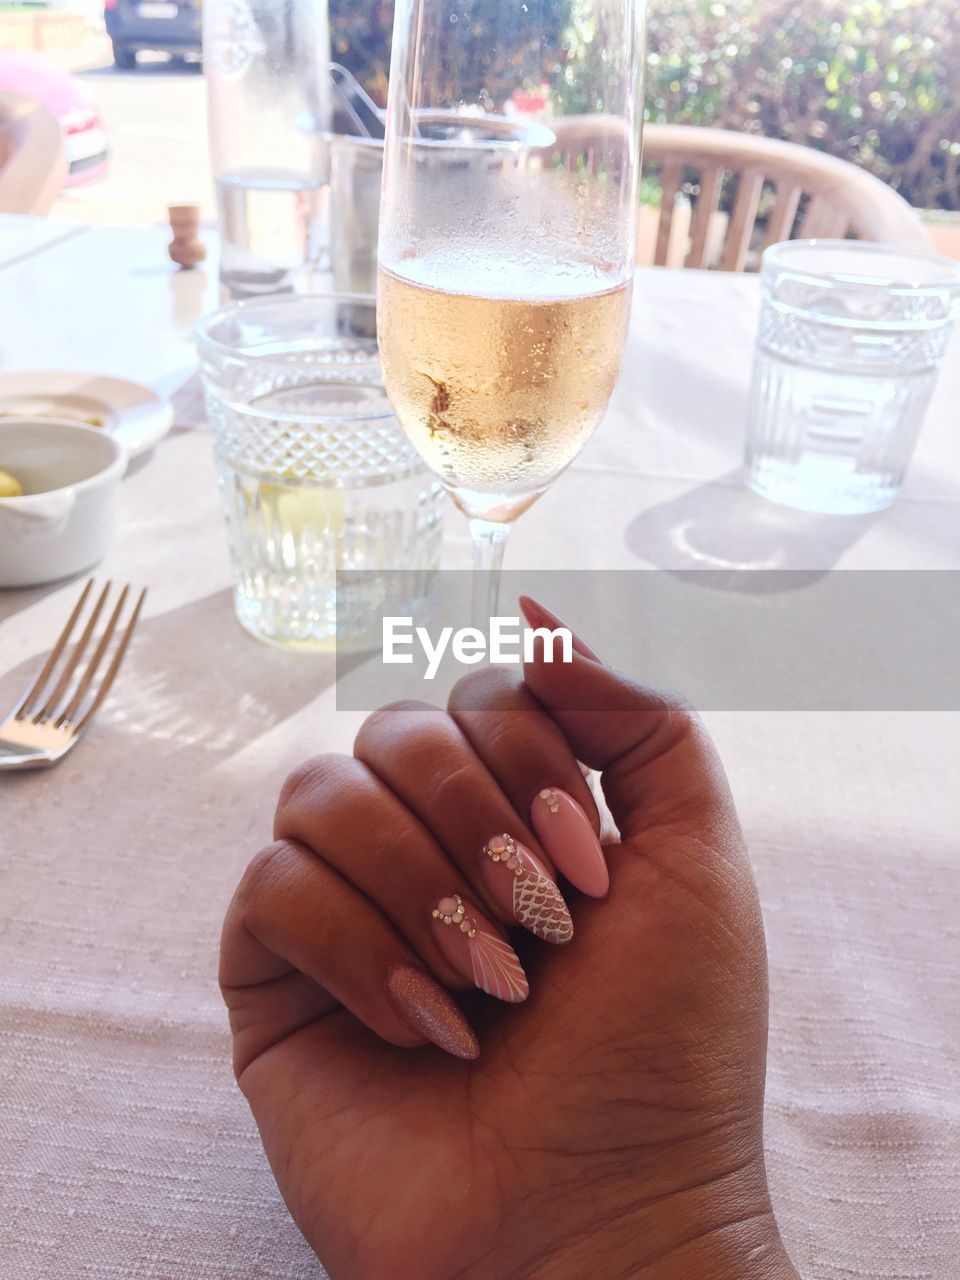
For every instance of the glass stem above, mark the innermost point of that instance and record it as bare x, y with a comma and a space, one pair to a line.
489, 539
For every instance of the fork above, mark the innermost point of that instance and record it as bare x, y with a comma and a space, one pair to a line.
44, 725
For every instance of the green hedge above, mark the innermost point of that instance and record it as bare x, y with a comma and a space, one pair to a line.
875, 82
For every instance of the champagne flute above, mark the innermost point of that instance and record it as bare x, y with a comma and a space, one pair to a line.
507, 242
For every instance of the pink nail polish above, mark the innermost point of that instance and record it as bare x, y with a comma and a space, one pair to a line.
427, 1009
521, 888
473, 946
538, 615
567, 835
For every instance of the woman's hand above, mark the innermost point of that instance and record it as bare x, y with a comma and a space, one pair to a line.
608, 1124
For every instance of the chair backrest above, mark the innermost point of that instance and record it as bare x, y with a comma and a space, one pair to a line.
33, 163
841, 199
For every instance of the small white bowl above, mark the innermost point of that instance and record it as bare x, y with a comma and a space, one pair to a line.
66, 518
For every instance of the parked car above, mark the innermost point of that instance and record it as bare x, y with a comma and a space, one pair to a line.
67, 98
170, 26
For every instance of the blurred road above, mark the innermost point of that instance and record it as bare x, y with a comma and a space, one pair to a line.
156, 121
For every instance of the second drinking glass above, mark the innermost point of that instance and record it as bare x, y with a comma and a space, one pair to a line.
507, 242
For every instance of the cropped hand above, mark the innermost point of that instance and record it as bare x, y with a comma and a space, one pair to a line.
602, 1117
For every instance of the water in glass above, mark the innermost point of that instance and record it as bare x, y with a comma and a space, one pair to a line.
849, 345
316, 476
273, 233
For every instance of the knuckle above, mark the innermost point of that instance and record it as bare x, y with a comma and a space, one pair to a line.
311, 783
390, 710
263, 874
517, 736
680, 714
449, 786
488, 689
397, 724
670, 721
671, 718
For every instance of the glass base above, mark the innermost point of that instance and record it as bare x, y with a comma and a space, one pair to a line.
347, 619
824, 490
256, 620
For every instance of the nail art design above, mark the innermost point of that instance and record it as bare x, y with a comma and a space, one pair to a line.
568, 837
494, 965
536, 901
429, 1010
550, 799
538, 615
452, 911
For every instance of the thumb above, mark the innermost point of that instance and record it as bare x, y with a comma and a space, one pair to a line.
657, 762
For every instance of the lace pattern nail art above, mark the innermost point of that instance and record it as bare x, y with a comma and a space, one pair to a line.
537, 902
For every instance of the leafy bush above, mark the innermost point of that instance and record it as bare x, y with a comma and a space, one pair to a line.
360, 32
873, 81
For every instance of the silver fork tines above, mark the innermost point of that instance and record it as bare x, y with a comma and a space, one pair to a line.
45, 725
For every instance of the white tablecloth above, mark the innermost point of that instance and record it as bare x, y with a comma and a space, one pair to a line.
125, 1149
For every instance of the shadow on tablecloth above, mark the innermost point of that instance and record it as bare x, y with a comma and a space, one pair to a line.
15, 599
723, 525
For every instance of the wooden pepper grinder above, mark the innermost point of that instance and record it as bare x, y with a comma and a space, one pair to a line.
186, 249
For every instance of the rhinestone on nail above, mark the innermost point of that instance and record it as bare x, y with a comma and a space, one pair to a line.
452, 911
550, 799
500, 848
504, 849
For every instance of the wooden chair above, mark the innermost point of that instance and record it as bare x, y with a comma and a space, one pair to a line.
841, 198
33, 163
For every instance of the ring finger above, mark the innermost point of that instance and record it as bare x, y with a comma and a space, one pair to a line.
390, 857
453, 793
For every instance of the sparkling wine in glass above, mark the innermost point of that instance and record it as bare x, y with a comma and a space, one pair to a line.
507, 241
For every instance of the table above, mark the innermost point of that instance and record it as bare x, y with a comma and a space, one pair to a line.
125, 1148
22, 237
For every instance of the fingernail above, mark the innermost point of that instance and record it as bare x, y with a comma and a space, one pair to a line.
521, 888
538, 615
427, 1009
567, 835
473, 946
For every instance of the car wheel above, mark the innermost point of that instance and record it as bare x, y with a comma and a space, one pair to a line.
124, 57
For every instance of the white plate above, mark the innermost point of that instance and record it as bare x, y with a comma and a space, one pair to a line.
135, 415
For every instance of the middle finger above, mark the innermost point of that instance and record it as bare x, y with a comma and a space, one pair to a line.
424, 758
